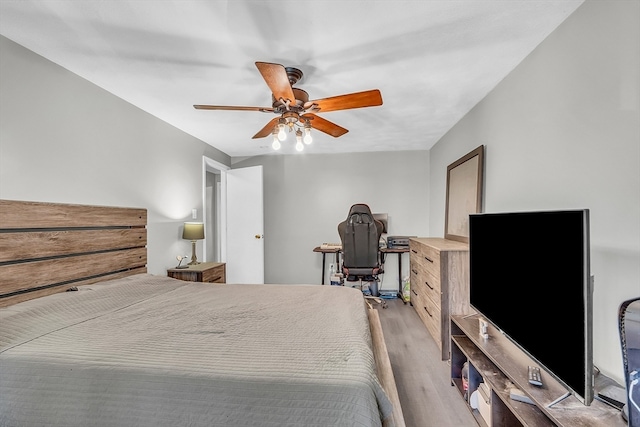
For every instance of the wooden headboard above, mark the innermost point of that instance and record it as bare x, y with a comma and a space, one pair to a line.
49, 247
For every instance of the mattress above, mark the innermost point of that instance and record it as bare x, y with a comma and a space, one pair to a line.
154, 351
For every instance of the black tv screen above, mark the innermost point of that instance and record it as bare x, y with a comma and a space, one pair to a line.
530, 277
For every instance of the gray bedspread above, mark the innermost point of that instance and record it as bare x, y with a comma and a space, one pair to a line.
154, 351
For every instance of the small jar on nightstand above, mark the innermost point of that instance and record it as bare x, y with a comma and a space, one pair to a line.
207, 272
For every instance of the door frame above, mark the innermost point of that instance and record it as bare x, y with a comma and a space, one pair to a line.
212, 166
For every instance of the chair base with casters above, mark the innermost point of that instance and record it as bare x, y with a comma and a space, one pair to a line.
377, 300
374, 295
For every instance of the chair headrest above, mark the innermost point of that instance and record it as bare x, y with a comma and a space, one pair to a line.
359, 208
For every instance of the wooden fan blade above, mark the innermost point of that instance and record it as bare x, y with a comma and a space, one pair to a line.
369, 98
324, 125
267, 130
275, 75
230, 107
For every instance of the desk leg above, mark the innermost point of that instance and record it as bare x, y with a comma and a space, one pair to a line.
400, 276
323, 264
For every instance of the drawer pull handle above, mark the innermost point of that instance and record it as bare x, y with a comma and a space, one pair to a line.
414, 292
414, 271
427, 283
425, 309
428, 259
414, 251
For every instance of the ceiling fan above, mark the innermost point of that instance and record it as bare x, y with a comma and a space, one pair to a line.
294, 109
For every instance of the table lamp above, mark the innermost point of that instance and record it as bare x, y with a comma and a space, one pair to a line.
193, 231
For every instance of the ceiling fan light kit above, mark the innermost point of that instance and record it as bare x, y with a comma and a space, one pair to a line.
296, 112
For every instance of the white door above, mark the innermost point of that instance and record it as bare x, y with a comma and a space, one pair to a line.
245, 225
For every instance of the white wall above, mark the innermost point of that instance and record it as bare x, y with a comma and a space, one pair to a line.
306, 196
563, 131
62, 139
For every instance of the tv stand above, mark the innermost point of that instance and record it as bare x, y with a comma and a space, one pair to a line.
501, 365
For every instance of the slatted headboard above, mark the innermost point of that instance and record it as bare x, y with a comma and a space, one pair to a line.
50, 247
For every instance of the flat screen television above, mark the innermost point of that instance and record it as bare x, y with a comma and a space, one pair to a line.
530, 278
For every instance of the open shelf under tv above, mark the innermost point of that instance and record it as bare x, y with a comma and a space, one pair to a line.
498, 362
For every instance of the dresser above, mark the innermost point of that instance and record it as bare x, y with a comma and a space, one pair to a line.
207, 272
439, 284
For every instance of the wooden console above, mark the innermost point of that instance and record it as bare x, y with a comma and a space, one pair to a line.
501, 365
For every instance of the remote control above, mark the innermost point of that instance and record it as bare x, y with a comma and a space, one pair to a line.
535, 377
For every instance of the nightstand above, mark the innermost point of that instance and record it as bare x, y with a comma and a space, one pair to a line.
208, 272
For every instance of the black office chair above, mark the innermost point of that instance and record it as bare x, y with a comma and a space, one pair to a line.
360, 234
629, 326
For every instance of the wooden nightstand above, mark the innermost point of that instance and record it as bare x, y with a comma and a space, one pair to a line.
208, 272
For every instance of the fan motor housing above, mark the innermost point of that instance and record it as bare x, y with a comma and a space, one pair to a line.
293, 74
301, 98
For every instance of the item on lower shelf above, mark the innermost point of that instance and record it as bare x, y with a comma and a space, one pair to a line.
517, 394
473, 400
465, 377
406, 289
336, 280
484, 402
388, 294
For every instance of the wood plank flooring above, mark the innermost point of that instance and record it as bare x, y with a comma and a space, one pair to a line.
427, 397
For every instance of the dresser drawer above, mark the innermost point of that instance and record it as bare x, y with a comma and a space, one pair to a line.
430, 291
425, 282
427, 257
430, 316
430, 281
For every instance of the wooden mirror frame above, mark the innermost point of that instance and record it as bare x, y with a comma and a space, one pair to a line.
464, 194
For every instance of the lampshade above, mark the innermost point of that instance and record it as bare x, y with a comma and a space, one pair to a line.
193, 231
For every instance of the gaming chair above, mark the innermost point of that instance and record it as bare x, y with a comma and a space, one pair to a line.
360, 234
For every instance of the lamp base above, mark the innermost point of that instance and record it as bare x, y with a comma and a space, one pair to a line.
194, 258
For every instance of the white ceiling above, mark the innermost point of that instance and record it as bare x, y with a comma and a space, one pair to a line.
432, 60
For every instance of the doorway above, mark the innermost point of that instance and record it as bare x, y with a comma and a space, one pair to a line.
233, 213
213, 210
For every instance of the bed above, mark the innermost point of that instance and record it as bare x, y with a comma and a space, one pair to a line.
88, 337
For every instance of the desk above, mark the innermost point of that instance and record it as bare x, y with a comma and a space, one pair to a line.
324, 252
383, 251
399, 251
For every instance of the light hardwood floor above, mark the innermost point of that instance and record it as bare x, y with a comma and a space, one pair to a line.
427, 397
